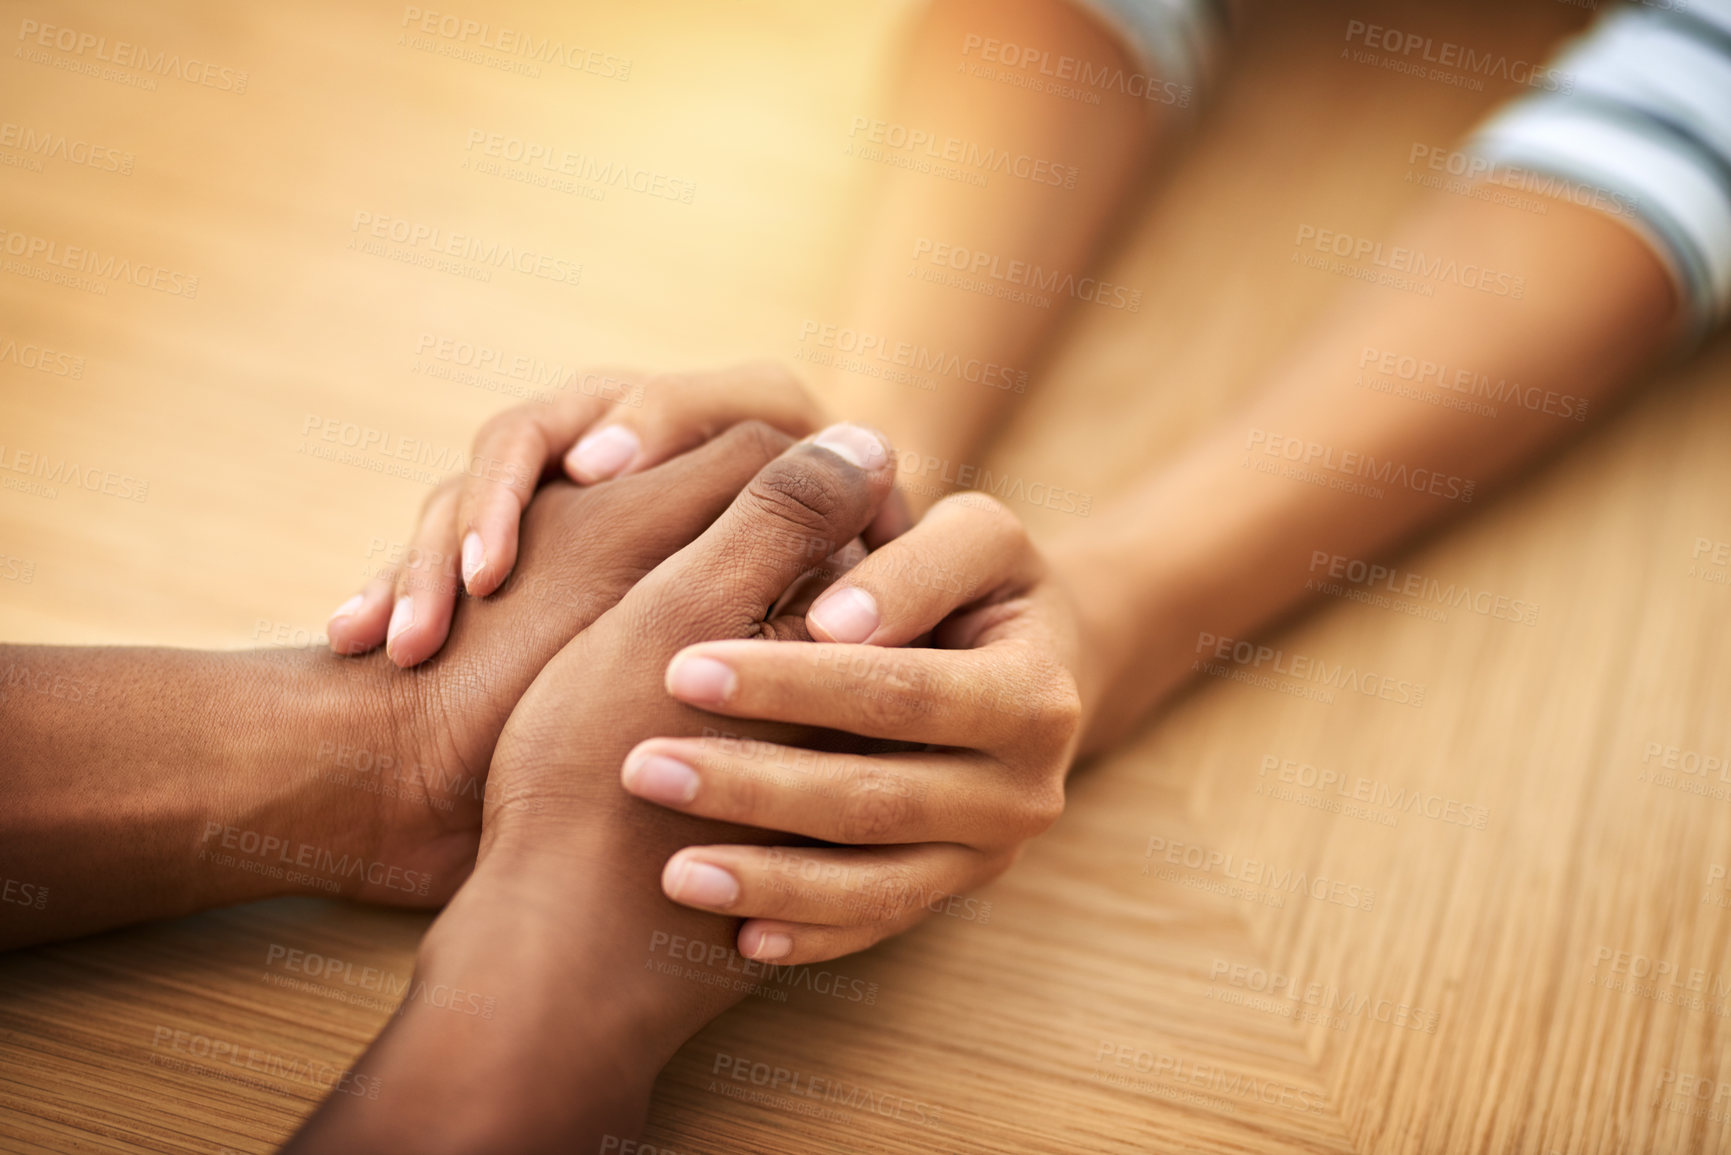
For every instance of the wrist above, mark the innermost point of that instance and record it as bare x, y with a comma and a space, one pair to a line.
1137, 625
305, 797
509, 979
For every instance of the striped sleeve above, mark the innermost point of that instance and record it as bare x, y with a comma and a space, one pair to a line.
1640, 119
1175, 42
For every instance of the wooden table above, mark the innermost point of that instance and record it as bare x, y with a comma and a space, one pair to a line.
1531, 957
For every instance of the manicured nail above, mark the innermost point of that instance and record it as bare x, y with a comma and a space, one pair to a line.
402, 617
474, 557
349, 608
700, 884
855, 444
604, 453
770, 947
701, 681
846, 615
658, 778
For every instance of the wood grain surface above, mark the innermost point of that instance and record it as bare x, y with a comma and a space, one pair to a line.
1210, 952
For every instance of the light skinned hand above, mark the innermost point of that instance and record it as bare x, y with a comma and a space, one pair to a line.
604, 425
992, 704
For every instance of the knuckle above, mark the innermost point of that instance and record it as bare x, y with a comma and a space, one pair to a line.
759, 439
1041, 808
667, 390
875, 808
892, 697
509, 426
441, 498
891, 892
804, 494
771, 371
1050, 709
990, 511
745, 799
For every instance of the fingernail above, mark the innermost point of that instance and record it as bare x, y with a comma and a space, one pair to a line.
846, 615
855, 444
352, 606
474, 556
700, 884
402, 617
604, 453
701, 681
770, 947
658, 778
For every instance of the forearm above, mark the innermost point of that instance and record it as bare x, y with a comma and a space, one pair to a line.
1214, 545
972, 353
552, 980
145, 783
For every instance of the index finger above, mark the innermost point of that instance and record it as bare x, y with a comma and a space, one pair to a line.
512, 452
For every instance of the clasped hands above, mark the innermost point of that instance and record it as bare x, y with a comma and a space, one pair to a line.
691, 613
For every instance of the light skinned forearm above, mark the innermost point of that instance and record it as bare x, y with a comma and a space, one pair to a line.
128, 770
1211, 546
923, 223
